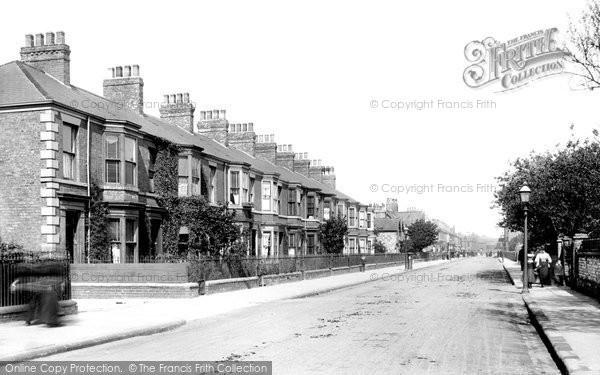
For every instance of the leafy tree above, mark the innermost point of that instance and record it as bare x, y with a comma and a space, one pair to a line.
584, 48
379, 247
565, 196
421, 234
512, 244
332, 233
10, 248
99, 231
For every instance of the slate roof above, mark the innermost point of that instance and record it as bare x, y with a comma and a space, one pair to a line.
21, 83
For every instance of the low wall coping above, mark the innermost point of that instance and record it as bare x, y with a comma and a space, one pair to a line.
142, 285
227, 281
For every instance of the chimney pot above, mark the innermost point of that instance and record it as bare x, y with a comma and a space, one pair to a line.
112, 72
49, 39
202, 115
222, 114
127, 71
290, 148
209, 115
245, 127
215, 114
39, 40
306, 155
172, 101
119, 71
250, 126
60, 37
279, 147
166, 99
28, 40
179, 98
272, 138
135, 70
186, 97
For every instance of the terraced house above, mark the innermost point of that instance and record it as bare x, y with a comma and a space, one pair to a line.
58, 138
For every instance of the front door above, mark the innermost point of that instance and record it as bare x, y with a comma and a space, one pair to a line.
71, 245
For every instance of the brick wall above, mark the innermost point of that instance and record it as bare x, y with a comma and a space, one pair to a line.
20, 168
589, 272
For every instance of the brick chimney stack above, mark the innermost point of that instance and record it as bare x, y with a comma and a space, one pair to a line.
49, 54
285, 156
213, 124
126, 88
177, 109
266, 148
242, 137
329, 177
302, 164
316, 170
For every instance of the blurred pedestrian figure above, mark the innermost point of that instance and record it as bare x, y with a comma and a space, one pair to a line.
43, 282
559, 273
530, 269
542, 264
520, 257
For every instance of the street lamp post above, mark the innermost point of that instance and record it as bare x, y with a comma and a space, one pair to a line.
406, 260
524, 193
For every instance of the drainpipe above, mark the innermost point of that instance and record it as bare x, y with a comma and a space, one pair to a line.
89, 188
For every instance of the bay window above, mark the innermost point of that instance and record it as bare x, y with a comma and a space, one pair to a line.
120, 159
362, 220
130, 240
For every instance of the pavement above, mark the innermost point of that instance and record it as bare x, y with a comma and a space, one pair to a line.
568, 321
102, 321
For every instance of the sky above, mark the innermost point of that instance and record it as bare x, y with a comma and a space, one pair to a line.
318, 74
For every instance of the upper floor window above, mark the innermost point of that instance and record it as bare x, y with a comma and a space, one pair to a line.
130, 161
196, 172
113, 159
351, 217
153, 153
183, 176
212, 190
279, 191
340, 210
266, 195
251, 191
234, 187
326, 213
292, 198
245, 192
310, 206
69, 148
369, 220
362, 222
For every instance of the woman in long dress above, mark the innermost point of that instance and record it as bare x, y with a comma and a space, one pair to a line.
542, 263
530, 269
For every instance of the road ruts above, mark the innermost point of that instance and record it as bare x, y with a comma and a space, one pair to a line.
463, 317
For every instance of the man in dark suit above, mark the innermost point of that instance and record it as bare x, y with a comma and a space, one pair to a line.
520, 256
